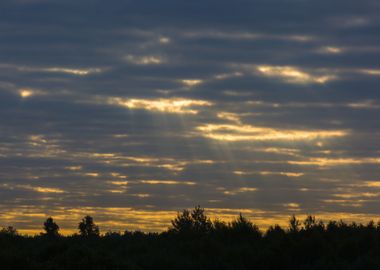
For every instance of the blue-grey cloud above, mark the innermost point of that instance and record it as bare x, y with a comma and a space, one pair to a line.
270, 107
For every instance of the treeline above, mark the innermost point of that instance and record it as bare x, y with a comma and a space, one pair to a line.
194, 241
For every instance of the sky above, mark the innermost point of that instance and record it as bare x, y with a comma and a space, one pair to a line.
133, 110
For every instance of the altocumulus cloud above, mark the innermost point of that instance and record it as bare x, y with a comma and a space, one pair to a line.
131, 110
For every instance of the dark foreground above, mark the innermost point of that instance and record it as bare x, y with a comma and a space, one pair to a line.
193, 242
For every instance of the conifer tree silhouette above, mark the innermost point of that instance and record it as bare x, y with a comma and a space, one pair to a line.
194, 222
294, 224
51, 228
87, 227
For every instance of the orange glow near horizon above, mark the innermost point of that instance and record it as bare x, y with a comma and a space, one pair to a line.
121, 219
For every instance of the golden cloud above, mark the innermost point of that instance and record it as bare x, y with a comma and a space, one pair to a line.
330, 50
167, 182
331, 162
73, 71
237, 190
294, 75
172, 105
191, 82
144, 60
234, 133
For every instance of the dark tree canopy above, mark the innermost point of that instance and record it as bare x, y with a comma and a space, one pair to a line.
294, 224
87, 227
10, 231
194, 242
194, 222
309, 222
243, 227
183, 223
51, 228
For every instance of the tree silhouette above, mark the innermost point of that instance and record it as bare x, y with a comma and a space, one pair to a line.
332, 226
11, 231
220, 227
87, 227
194, 222
183, 223
51, 228
201, 223
243, 227
309, 222
294, 224
238, 244
275, 232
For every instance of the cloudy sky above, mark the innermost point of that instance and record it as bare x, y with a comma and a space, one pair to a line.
133, 110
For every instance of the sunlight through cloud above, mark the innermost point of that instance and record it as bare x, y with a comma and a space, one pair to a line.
294, 75
233, 133
144, 60
25, 93
330, 50
191, 82
172, 105
167, 182
72, 71
164, 40
238, 191
330, 162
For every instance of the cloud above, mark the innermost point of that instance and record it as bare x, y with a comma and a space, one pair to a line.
239, 190
294, 75
167, 182
25, 93
374, 72
34, 188
173, 105
327, 162
191, 82
330, 50
230, 132
144, 60
63, 70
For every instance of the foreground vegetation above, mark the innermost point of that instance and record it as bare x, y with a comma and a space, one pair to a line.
195, 242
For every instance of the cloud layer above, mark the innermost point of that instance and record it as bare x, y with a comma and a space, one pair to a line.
133, 110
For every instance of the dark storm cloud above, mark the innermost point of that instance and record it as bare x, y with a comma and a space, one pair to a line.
160, 105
